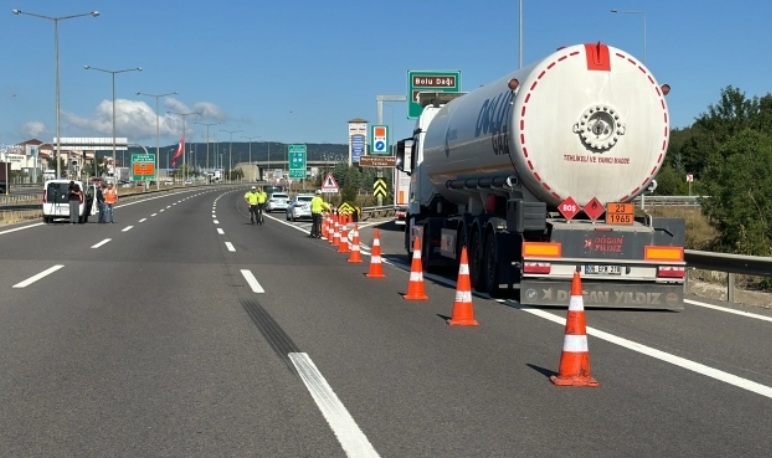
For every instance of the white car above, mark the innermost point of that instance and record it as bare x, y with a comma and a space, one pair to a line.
56, 204
300, 207
277, 201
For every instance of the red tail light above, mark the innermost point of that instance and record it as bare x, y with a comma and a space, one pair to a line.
537, 267
44, 196
671, 272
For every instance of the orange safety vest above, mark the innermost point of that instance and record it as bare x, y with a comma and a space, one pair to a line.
110, 196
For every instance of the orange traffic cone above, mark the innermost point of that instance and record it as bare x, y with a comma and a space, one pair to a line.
343, 247
355, 254
575, 358
463, 312
415, 288
376, 269
335, 234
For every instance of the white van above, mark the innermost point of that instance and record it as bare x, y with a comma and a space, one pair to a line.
56, 203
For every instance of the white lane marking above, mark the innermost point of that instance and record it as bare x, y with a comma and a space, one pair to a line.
175, 203
346, 430
154, 214
229, 245
37, 277
101, 243
216, 222
22, 228
305, 231
127, 229
220, 231
168, 206
728, 310
214, 216
658, 354
143, 220
252, 281
161, 210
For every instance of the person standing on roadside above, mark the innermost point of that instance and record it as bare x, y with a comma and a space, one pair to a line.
74, 196
111, 198
100, 197
251, 198
318, 205
262, 198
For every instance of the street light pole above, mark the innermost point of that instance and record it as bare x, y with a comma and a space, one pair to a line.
642, 13
112, 72
184, 167
230, 153
56, 20
254, 178
207, 145
157, 134
520, 39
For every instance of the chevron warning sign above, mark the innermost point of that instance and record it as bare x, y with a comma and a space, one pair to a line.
346, 208
379, 188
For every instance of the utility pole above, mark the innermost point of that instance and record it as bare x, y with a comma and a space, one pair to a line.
230, 153
207, 146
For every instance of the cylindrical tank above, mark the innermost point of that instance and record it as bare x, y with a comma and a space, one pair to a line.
588, 121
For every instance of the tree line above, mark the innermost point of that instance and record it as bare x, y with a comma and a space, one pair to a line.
728, 150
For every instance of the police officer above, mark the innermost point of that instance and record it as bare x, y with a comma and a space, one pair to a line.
252, 199
318, 205
262, 198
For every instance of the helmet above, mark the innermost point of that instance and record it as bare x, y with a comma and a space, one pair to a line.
253, 188
318, 192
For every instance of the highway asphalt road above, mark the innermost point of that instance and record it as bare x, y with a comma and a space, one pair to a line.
184, 331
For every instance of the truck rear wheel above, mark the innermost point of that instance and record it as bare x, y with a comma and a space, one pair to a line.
476, 265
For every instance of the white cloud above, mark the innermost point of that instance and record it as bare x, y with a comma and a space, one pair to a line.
34, 129
137, 120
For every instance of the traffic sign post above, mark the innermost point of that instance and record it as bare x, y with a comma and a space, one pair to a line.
297, 160
329, 185
425, 81
379, 190
143, 166
379, 140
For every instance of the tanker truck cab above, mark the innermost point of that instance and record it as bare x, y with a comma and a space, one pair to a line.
535, 175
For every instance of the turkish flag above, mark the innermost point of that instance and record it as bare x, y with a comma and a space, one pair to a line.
180, 149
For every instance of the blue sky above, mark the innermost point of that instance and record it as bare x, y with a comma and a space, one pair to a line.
250, 63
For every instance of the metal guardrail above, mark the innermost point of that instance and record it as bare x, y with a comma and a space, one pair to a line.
669, 201
732, 264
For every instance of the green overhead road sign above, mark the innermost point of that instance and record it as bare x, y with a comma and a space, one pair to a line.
429, 81
143, 166
297, 161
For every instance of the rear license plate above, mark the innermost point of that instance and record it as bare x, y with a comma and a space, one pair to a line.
603, 270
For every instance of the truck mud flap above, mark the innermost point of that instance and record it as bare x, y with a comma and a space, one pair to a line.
604, 294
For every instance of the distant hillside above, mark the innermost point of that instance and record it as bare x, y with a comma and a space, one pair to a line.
316, 151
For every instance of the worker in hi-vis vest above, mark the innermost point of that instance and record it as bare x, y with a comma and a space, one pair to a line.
318, 205
262, 198
252, 197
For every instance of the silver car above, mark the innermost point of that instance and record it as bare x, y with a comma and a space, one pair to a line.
277, 201
300, 207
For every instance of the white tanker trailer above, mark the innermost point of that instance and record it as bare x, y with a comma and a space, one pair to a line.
534, 174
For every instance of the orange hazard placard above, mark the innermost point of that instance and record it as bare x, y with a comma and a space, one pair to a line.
144, 169
619, 213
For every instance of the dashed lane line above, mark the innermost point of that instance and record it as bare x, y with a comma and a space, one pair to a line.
37, 277
348, 433
127, 228
103, 242
220, 231
229, 245
252, 281
143, 220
